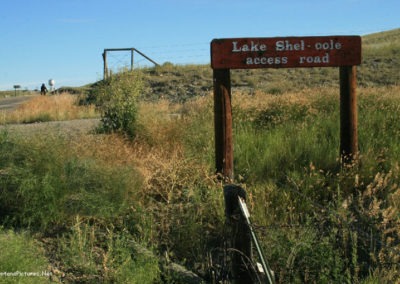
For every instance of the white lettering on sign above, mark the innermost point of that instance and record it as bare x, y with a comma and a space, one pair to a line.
314, 59
293, 50
286, 45
331, 45
253, 47
266, 60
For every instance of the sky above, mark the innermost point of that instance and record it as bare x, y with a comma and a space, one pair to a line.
64, 40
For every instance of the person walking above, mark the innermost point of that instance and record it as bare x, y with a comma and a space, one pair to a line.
43, 90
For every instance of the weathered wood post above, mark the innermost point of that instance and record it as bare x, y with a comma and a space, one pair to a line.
223, 123
348, 114
239, 235
105, 68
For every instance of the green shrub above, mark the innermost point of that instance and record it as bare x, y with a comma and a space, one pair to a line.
117, 100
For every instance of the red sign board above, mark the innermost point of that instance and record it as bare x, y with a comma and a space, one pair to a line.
285, 52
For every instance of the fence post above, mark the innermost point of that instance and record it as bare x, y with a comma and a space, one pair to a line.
105, 71
239, 234
132, 55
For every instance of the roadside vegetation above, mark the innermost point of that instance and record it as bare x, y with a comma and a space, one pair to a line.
49, 108
121, 203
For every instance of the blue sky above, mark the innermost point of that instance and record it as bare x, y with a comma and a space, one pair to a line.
64, 39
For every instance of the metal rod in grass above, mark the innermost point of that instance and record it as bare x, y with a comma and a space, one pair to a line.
268, 272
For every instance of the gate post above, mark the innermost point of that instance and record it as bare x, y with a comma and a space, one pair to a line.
105, 67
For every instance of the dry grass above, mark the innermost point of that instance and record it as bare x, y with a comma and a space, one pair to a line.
178, 192
165, 126
158, 122
158, 145
260, 100
49, 108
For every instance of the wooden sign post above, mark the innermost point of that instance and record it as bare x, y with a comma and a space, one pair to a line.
223, 122
348, 115
283, 52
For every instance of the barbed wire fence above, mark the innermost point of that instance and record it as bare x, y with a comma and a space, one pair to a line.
118, 61
124, 59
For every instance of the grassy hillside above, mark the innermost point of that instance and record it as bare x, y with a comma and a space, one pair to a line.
95, 207
380, 67
381, 59
378, 42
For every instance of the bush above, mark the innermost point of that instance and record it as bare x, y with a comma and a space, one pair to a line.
117, 100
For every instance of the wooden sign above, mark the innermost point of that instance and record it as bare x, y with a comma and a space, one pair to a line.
285, 52
282, 52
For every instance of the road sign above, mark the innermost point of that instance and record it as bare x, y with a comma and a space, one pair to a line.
285, 52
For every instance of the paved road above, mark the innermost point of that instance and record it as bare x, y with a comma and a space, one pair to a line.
12, 102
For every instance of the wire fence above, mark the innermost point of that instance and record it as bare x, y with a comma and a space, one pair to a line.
192, 53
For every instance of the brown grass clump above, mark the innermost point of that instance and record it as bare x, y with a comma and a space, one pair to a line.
49, 108
159, 123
